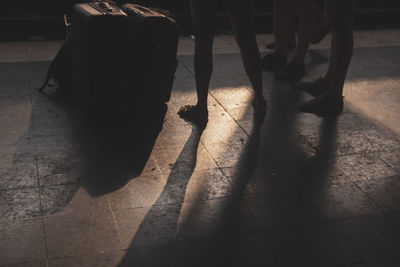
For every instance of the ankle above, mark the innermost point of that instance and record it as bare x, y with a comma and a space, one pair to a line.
333, 96
201, 106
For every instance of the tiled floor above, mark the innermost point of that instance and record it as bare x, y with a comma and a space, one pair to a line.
297, 190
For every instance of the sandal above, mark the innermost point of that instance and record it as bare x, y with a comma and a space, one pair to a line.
193, 114
323, 106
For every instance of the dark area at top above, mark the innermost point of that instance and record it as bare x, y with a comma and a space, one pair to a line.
24, 20
50, 8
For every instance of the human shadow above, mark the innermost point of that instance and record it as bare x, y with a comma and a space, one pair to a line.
269, 165
161, 225
271, 178
280, 189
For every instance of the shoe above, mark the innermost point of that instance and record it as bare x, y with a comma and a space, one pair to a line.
193, 114
315, 88
271, 46
273, 62
293, 71
323, 106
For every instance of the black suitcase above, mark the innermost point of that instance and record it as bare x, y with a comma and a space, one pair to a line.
153, 43
121, 57
97, 39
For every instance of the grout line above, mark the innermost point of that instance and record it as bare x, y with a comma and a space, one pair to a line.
38, 178
41, 213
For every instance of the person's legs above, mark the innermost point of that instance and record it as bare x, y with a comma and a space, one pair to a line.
342, 47
285, 13
321, 85
242, 20
284, 20
291, 34
203, 16
340, 15
309, 16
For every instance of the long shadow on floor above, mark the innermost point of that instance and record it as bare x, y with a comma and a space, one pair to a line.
270, 172
166, 220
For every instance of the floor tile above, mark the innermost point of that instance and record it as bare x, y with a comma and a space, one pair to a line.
72, 200
384, 191
19, 204
315, 245
221, 216
368, 167
69, 236
55, 170
22, 241
141, 191
157, 225
275, 210
89, 260
345, 201
372, 238
186, 159
199, 185
18, 171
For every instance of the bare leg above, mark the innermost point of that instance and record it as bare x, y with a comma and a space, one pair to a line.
321, 85
309, 15
343, 51
291, 35
284, 26
203, 15
328, 78
242, 20
340, 15
342, 48
284, 29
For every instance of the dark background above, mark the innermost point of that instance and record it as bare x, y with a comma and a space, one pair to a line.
27, 19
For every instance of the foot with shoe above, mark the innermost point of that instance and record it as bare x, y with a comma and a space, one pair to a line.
327, 101
323, 106
315, 88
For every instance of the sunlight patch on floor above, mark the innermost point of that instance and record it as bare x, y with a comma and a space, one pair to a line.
378, 99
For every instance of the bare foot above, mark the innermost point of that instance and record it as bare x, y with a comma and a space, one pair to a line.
194, 114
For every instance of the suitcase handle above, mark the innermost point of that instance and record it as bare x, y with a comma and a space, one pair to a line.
136, 10
106, 6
